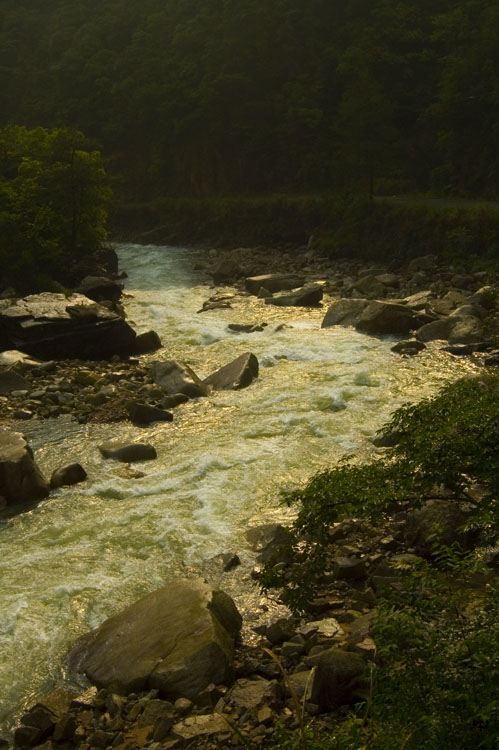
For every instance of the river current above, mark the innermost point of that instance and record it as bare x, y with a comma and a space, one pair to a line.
87, 551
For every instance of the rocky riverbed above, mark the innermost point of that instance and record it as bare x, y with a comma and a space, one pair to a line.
332, 643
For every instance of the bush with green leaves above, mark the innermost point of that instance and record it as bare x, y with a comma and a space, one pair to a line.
53, 198
450, 439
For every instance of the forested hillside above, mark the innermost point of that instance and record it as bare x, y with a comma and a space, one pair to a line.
202, 97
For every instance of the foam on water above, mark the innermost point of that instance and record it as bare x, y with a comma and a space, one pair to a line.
89, 550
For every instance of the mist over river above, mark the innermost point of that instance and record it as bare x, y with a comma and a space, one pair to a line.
89, 550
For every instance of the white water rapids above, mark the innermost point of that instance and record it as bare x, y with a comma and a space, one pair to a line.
87, 551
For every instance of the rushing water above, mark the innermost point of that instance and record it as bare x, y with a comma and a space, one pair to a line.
87, 551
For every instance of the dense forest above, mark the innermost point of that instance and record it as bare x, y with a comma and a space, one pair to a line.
218, 97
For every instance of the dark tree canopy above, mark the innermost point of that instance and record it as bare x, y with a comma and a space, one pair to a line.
200, 97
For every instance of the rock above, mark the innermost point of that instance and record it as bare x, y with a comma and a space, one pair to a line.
174, 377
128, 452
14, 357
484, 297
349, 568
267, 540
225, 271
11, 381
385, 318
177, 640
147, 342
100, 288
422, 263
20, 478
246, 327
68, 475
279, 631
338, 676
419, 300
146, 414
409, 347
389, 279
370, 286
170, 402
306, 296
435, 331
273, 282
436, 523
456, 329
53, 326
344, 312
251, 695
201, 726
236, 375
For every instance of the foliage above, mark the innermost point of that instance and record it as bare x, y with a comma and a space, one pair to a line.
450, 439
207, 97
53, 196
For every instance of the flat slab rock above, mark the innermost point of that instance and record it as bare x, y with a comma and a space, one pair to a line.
51, 325
177, 640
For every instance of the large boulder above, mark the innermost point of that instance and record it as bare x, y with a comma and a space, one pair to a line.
53, 326
178, 640
344, 312
386, 318
21, 480
457, 329
100, 288
236, 375
273, 282
174, 377
307, 296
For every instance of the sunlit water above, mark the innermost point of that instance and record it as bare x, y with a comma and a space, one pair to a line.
86, 552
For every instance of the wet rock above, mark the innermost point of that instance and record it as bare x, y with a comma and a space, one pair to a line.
236, 375
174, 377
269, 540
344, 312
147, 342
385, 318
128, 452
53, 326
273, 282
144, 414
68, 475
409, 347
306, 296
20, 478
178, 640
246, 327
170, 402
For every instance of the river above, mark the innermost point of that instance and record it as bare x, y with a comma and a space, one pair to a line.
87, 551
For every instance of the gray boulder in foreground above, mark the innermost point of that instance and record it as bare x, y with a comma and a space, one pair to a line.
177, 640
21, 480
344, 312
236, 375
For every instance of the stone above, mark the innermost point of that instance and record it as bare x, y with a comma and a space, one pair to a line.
68, 475
370, 286
246, 327
419, 300
279, 631
100, 288
386, 318
337, 677
457, 329
144, 414
344, 312
225, 271
409, 347
170, 402
436, 523
11, 381
20, 478
269, 540
53, 326
177, 640
273, 282
422, 263
236, 375
305, 296
435, 331
349, 568
174, 377
14, 357
200, 726
128, 452
147, 342
252, 694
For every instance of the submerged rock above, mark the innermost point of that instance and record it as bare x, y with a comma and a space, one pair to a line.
68, 475
128, 452
178, 640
